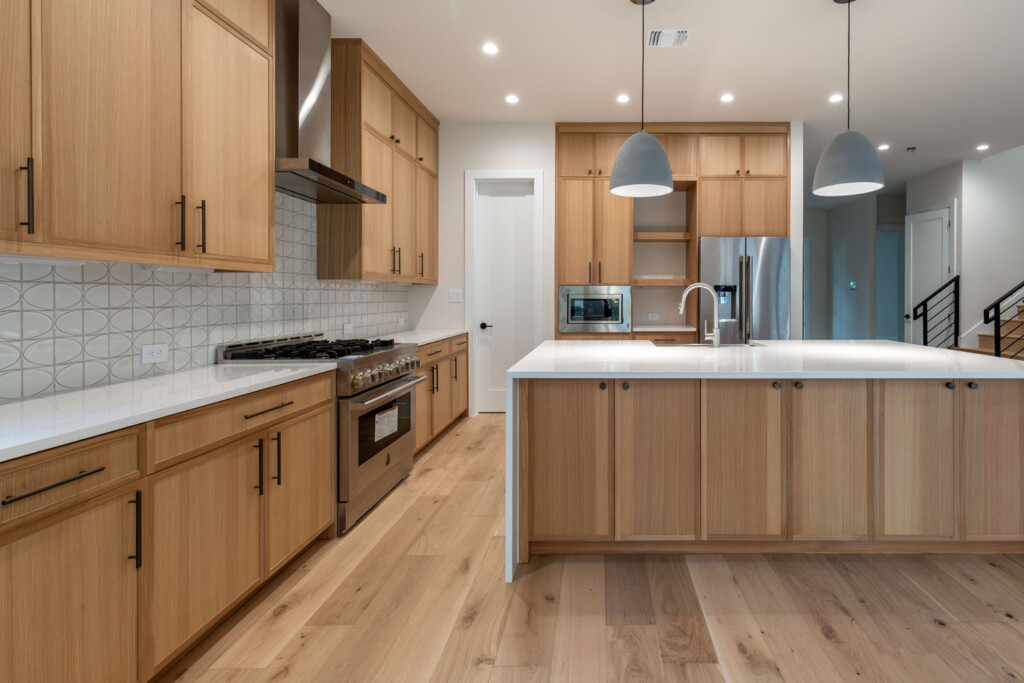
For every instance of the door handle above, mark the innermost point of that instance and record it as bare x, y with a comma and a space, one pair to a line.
484, 326
30, 171
202, 223
749, 297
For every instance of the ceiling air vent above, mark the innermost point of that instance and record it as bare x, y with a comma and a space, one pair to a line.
667, 37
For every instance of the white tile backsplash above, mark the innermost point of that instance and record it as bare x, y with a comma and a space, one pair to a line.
67, 327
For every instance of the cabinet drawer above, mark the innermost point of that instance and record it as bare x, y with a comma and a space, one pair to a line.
667, 337
52, 480
460, 343
431, 353
200, 430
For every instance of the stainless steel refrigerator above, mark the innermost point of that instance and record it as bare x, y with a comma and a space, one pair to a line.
751, 276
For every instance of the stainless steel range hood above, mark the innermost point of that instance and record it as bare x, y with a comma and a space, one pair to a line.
303, 109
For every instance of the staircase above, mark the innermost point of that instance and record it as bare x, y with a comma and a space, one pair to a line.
1007, 337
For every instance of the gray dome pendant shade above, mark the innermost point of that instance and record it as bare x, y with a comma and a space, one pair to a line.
849, 165
641, 167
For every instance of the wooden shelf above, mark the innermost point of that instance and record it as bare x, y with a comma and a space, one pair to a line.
661, 282
662, 236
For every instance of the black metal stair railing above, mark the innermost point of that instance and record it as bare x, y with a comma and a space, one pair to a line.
1009, 339
941, 313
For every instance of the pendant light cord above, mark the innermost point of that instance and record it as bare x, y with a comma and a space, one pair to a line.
643, 60
848, 37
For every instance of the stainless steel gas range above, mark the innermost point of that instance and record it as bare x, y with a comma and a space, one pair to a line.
376, 409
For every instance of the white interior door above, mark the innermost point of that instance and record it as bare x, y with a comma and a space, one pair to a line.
505, 289
929, 251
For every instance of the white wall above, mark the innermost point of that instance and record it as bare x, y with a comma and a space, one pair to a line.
478, 147
852, 239
796, 229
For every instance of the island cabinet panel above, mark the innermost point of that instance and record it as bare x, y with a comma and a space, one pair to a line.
69, 595
568, 436
742, 460
993, 455
831, 459
916, 459
657, 458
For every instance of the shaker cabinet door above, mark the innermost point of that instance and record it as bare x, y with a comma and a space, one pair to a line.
15, 118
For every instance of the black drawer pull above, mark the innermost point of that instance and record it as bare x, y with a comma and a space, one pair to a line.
277, 438
30, 172
434, 353
951, 385
137, 502
259, 448
202, 207
74, 477
269, 410
973, 385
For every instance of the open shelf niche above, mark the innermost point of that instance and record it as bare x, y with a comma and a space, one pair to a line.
664, 257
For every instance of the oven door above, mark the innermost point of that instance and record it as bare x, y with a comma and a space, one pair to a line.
594, 309
376, 438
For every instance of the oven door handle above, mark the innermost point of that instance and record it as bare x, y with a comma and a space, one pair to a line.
409, 383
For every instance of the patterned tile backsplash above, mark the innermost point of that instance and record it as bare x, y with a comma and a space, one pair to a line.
67, 327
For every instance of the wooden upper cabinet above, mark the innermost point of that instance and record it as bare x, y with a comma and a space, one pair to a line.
657, 456
742, 461
404, 128
377, 256
719, 208
404, 198
110, 79
606, 148
765, 155
576, 155
426, 145
376, 102
252, 17
721, 156
682, 153
569, 459
69, 597
993, 455
300, 483
916, 460
766, 207
831, 468
613, 236
230, 144
15, 118
204, 522
426, 226
574, 232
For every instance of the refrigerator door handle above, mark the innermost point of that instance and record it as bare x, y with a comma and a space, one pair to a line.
749, 325
741, 294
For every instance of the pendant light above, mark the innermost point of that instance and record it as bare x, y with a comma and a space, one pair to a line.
850, 164
641, 167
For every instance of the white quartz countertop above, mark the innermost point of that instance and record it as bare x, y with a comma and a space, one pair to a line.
769, 359
37, 424
664, 328
423, 335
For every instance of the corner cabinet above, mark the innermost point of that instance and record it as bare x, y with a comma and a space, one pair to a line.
386, 138
129, 110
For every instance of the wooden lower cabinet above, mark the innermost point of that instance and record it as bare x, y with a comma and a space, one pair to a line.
204, 545
657, 459
424, 408
830, 429
69, 595
460, 383
992, 442
444, 397
742, 463
441, 399
568, 442
299, 459
916, 468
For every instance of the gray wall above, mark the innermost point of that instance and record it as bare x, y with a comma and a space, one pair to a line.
817, 277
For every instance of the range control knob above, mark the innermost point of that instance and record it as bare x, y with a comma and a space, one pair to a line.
357, 381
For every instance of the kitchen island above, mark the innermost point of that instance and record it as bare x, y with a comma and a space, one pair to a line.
783, 446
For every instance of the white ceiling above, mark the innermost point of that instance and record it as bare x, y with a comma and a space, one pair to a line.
941, 75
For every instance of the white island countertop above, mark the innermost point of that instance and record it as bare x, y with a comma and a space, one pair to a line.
37, 424
767, 359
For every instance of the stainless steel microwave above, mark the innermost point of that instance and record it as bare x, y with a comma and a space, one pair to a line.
594, 308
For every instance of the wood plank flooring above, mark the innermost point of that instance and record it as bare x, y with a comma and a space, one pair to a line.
415, 593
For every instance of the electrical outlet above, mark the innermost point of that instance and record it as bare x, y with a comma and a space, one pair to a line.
154, 353
653, 316
349, 328
401, 323
454, 296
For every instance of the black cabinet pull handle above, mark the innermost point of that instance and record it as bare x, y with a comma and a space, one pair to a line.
137, 502
455, 361
625, 385
393, 267
181, 242
259, 449
737, 171
30, 171
269, 410
603, 386
951, 385
202, 223
278, 440
600, 275
422, 274
973, 385
776, 385
399, 260
799, 385
46, 487
590, 271
421, 158
590, 171
748, 171
392, 137
397, 141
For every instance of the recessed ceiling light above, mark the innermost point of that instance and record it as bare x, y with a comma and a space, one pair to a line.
883, 147
837, 97
622, 99
490, 48
512, 98
727, 97
982, 147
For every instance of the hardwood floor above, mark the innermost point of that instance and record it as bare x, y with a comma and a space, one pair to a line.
415, 593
